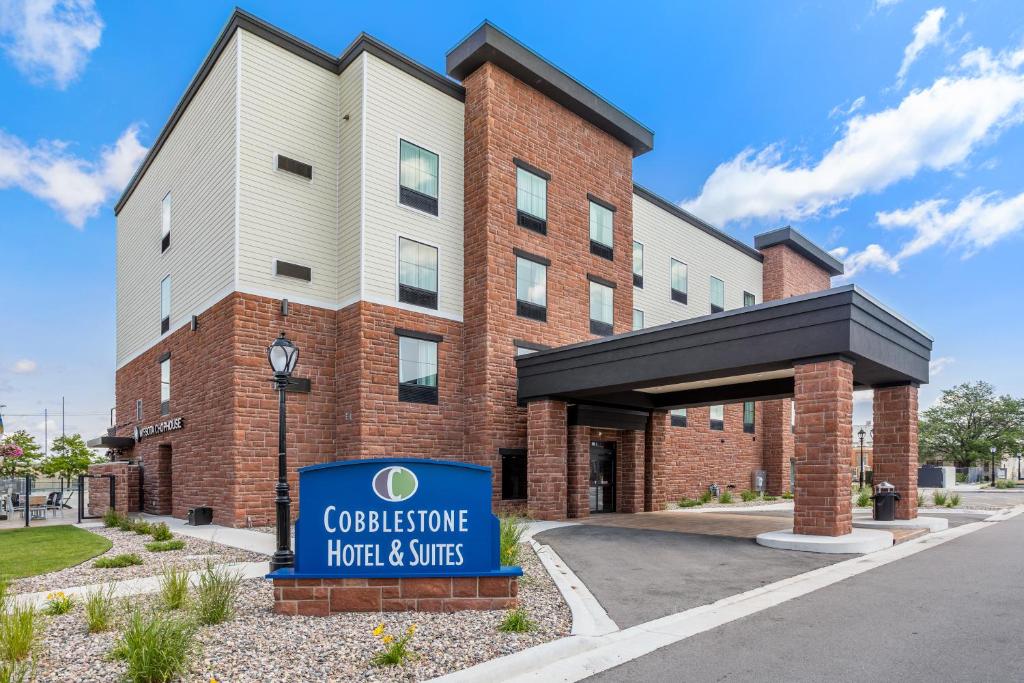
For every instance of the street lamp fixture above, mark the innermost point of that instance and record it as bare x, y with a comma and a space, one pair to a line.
861, 435
992, 450
283, 356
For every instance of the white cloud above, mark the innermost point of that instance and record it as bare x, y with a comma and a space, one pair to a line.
842, 110
927, 32
50, 40
73, 186
24, 366
978, 221
934, 128
937, 365
885, 3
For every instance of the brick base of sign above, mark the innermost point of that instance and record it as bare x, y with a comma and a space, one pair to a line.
323, 597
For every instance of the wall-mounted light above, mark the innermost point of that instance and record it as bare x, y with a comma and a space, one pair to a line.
284, 306
195, 323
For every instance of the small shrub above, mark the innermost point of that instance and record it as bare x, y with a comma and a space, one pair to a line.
920, 499
126, 523
961, 477
396, 650
725, 498
174, 588
685, 502
4, 588
164, 546
16, 672
18, 631
58, 603
749, 496
705, 497
788, 495
516, 621
216, 594
160, 532
143, 528
112, 518
1005, 484
156, 647
99, 608
770, 499
117, 561
510, 534
954, 500
939, 497
864, 498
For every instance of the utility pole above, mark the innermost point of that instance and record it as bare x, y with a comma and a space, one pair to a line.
62, 416
46, 433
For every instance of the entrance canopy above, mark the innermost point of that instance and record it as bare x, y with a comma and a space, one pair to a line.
739, 355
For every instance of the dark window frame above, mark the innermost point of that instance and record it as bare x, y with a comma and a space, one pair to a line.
414, 199
417, 296
679, 295
514, 458
528, 309
749, 427
678, 420
601, 327
715, 308
753, 299
409, 392
638, 278
716, 425
525, 219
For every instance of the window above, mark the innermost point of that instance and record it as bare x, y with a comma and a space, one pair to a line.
717, 414
678, 417
138, 410
531, 198
748, 417
601, 307
638, 265
417, 178
165, 223
165, 386
417, 370
680, 284
717, 295
749, 299
531, 287
792, 416
638, 319
601, 222
513, 473
417, 273
165, 304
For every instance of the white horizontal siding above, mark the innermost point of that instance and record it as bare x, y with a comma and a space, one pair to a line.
665, 237
197, 166
350, 181
399, 106
289, 106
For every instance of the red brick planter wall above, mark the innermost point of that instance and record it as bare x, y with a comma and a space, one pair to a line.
126, 487
322, 597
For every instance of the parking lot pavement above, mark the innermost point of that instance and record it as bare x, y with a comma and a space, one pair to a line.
640, 574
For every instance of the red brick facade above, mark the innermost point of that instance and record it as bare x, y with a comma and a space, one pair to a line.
323, 597
895, 444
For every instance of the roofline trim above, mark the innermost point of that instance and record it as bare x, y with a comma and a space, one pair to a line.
696, 222
242, 19
792, 238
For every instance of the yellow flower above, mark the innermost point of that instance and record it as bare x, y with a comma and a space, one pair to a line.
388, 638
412, 629
213, 679
379, 630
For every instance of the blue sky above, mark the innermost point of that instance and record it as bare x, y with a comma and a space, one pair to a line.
890, 131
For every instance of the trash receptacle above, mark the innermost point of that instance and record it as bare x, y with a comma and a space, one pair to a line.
200, 516
885, 502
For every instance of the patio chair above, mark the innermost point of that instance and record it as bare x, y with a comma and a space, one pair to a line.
16, 505
53, 503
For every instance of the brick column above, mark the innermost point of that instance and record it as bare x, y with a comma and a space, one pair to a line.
578, 471
655, 453
546, 456
777, 443
894, 449
632, 484
824, 423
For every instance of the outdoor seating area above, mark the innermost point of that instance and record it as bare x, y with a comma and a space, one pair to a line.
42, 504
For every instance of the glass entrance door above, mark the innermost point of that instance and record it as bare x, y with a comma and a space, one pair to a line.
602, 476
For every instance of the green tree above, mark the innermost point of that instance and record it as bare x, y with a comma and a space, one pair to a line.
967, 421
69, 457
29, 460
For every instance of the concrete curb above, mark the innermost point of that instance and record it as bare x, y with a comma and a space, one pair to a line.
929, 523
857, 541
588, 617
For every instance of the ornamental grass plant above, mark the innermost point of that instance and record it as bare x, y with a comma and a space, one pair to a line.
174, 588
156, 647
99, 608
19, 628
216, 594
516, 621
510, 534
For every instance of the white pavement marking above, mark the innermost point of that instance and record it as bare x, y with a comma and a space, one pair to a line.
141, 585
577, 657
243, 539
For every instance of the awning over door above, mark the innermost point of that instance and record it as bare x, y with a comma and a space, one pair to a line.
738, 355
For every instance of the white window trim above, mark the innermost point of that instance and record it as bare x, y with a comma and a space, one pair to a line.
398, 265
398, 178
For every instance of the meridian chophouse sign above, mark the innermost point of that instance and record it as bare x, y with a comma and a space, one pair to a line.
159, 428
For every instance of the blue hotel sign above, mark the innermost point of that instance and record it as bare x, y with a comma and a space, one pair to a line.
395, 518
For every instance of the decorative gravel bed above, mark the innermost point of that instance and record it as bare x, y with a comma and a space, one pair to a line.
194, 556
258, 645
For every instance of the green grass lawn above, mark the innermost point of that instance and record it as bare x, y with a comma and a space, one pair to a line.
29, 552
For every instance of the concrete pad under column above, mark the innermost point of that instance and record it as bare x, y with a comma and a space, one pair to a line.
858, 541
929, 523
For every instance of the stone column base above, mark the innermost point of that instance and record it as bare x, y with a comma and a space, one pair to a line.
323, 597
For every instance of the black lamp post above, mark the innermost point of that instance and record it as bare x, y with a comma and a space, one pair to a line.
861, 435
992, 474
1020, 474
283, 355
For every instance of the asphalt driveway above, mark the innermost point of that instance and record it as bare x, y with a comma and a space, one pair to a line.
639, 573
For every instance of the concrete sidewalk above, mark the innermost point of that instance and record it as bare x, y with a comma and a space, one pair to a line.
243, 539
